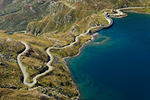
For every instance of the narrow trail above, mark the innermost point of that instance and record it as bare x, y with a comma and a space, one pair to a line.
51, 57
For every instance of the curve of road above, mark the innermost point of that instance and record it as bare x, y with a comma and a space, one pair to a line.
20, 64
51, 57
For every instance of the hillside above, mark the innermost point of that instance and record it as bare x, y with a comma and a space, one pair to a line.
16, 14
43, 24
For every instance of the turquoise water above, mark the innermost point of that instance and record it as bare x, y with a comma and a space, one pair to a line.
116, 65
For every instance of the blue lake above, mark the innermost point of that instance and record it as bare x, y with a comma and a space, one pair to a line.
116, 65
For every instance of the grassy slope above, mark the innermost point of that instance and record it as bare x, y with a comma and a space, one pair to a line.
17, 15
36, 56
11, 94
53, 24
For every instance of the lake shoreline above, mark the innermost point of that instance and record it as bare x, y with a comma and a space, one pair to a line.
80, 50
136, 12
74, 66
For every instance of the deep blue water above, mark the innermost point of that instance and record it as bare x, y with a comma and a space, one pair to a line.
119, 68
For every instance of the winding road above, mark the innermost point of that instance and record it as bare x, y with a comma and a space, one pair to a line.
19, 62
51, 57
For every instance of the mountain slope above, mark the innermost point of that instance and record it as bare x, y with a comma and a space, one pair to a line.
43, 24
